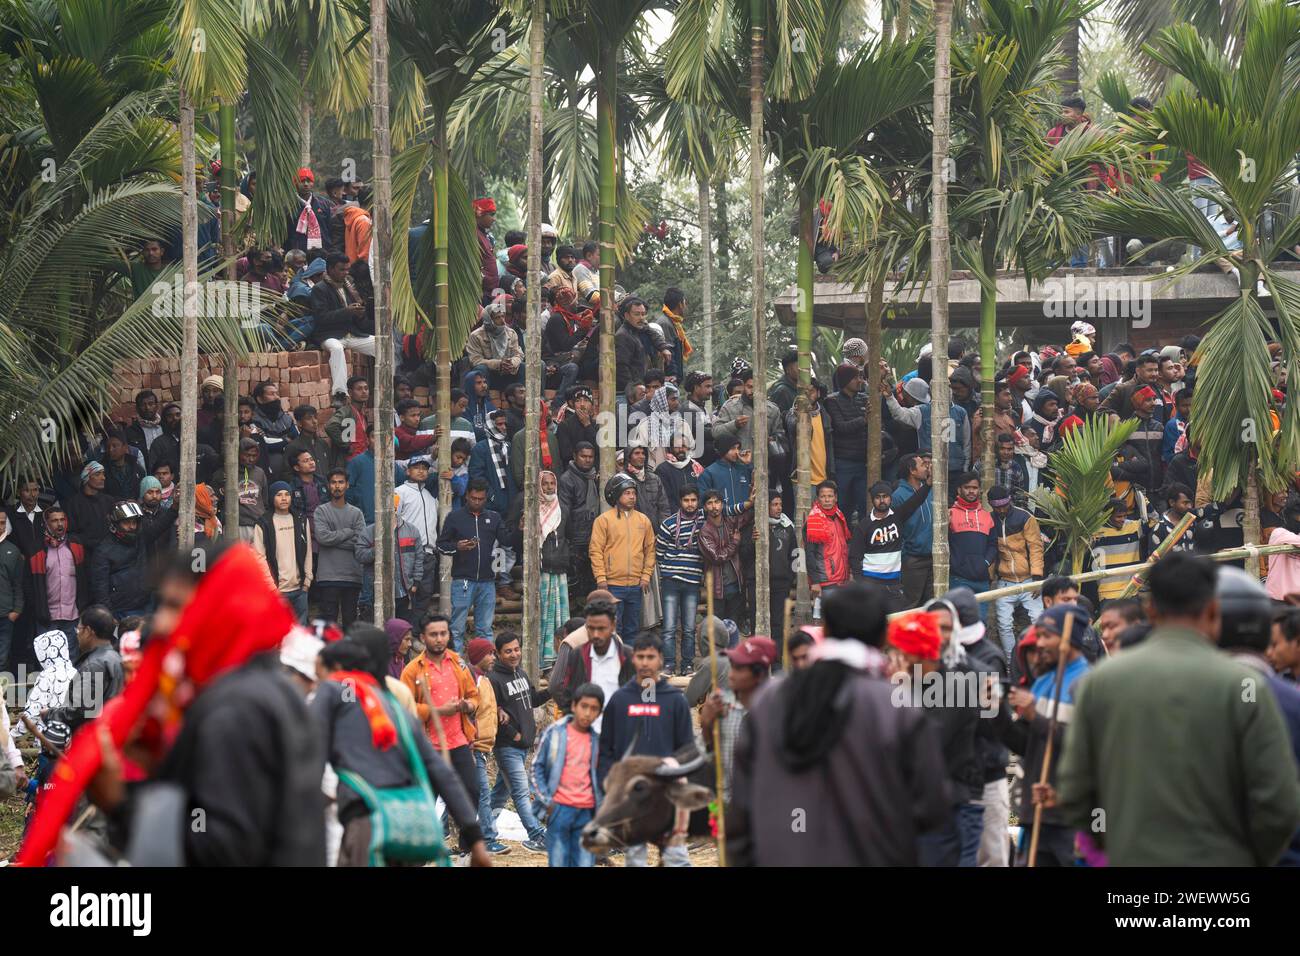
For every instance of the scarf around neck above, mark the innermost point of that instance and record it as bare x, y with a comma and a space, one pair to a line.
679, 326
309, 226
550, 511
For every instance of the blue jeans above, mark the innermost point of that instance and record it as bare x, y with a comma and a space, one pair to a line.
679, 596
629, 610
957, 842
480, 595
486, 821
1005, 610
512, 784
851, 477
979, 587
564, 836
298, 601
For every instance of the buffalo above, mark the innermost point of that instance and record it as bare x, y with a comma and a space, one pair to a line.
643, 796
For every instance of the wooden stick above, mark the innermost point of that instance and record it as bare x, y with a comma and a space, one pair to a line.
785, 636
1161, 550
717, 729
1051, 731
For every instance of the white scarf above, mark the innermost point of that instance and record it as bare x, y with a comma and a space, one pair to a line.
550, 517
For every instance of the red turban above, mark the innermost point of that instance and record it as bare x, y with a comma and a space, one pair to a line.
1016, 374
916, 634
305, 173
1146, 391
487, 204
235, 614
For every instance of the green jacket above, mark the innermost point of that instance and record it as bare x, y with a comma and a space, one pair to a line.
1178, 756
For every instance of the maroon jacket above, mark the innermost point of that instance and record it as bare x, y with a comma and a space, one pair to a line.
719, 547
577, 671
488, 261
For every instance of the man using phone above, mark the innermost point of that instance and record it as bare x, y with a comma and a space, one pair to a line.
468, 535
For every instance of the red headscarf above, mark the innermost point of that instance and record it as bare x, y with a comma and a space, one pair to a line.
234, 615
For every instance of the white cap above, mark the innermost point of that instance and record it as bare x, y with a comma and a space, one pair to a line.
299, 651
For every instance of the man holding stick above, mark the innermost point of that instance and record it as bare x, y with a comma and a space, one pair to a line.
446, 696
1044, 711
1197, 763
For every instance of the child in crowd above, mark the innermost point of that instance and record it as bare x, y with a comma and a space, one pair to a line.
564, 775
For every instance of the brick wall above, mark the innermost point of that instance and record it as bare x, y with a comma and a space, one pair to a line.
303, 377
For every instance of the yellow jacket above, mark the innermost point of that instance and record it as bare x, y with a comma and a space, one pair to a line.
622, 549
485, 717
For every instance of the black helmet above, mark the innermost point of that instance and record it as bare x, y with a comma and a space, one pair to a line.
615, 487
1246, 610
124, 510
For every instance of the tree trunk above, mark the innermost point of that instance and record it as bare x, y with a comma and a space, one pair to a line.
1069, 75
1250, 524
940, 270
190, 346
875, 314
988, 364
762, 584
382, 215
706, 292
533, 351
903, 24
230, 370
803, 322
305, 110
442, 325
606, 103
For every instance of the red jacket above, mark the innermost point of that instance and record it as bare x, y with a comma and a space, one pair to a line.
40, 592
826, 534
409, 443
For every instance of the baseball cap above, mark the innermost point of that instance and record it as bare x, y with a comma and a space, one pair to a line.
753, 650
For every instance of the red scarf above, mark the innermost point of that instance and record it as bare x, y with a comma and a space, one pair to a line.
383, 732
235, 614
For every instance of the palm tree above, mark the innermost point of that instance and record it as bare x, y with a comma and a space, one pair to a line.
1019, 202
940, 270
92, 162
1242, 121
1220, 22
700, 69
1077, 504
448, 43
600, 30
385, 531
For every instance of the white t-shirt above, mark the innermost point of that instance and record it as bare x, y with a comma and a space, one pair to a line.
604, 674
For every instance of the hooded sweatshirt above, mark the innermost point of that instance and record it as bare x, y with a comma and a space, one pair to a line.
656, 719
971, 540
479, 406
516, 698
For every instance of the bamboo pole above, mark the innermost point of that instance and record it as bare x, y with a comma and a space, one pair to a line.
1051, 731
941, 273
1161, 550
758, 427
533, 369
717, 731
385, 518
230, 370
1230, 554
189, 357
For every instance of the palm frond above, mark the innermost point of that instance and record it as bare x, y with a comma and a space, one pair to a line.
275, 121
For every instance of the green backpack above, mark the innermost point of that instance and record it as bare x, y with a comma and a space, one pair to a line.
404, 824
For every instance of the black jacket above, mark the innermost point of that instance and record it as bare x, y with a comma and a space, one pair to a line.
986, 657
120, 573
580, 501
569, 432
88, 517
251, 718
783, 394
329, 241
849, 425
99, 678
347, 744
558, 342
267, 524
28, 534
957, 729
629, 358
486, 527
516, 698
333, 320
577, 671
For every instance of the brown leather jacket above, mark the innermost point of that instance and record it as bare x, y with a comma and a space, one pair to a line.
719, 546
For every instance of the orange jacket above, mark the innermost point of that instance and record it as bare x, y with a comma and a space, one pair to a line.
464, 680
356, 232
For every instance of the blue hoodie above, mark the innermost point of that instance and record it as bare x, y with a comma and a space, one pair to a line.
658, 718
478, 409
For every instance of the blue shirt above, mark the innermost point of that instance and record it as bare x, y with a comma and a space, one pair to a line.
918, 530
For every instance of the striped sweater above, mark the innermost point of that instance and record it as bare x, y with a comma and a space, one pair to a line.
677, 547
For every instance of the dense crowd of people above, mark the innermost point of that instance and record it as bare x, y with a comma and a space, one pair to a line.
89, 591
